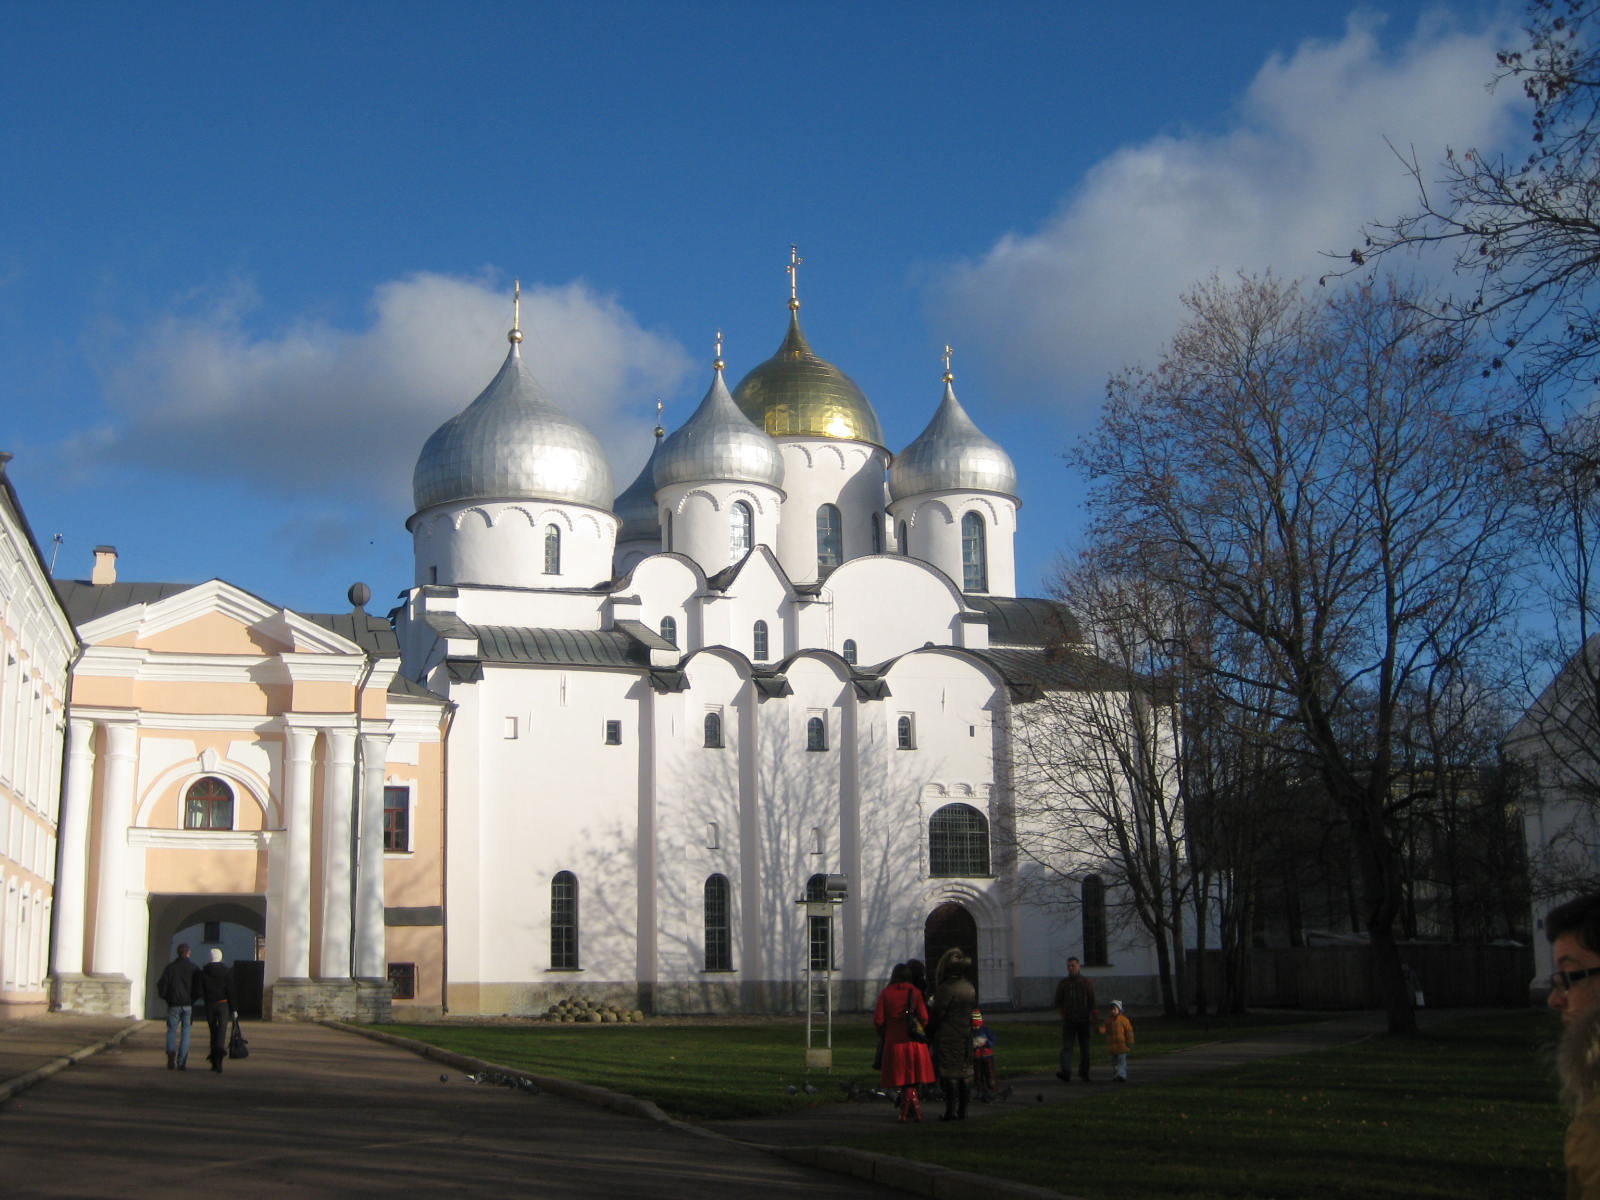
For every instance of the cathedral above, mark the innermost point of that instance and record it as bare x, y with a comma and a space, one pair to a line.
684, 747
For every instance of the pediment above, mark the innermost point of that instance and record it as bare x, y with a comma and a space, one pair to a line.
214, 618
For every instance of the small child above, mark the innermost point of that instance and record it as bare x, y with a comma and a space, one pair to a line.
983, 1043
1119, 1038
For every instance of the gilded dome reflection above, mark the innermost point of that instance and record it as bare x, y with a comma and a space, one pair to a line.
797, 394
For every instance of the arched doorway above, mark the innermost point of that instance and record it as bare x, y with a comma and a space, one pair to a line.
237, 924
949, 925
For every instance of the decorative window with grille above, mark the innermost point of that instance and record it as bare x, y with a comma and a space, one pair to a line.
1093, 895
669, 630
208, 805
564, 922
830, 539
758, 640
613, 733
958, 841
719, 924
714, 730
552, 550
397, 819
974, 554
850, 651
741, 530
403, 981
905, 732
816, 733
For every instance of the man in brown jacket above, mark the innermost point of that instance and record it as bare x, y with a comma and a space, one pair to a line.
1075, 1003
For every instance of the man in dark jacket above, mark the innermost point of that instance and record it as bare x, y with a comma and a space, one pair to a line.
179, 986
216, 988
1075, 1003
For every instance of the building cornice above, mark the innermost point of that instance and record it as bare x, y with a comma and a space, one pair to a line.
203, 839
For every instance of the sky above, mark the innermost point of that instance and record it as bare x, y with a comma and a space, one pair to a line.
252, 255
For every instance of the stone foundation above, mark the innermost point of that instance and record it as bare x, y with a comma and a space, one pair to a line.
374, 1001
311, 1000
91, 995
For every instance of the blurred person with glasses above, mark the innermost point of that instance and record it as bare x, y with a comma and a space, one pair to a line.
1574, 932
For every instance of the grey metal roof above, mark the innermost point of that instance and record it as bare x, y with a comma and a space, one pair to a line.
1027, 621
551, 647
1058, 670
85, 601
512, 443
373, 634
952, 454
718, 443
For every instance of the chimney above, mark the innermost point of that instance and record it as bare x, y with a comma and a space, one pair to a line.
105, 566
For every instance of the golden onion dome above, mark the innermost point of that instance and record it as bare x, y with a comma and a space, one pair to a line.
797, 394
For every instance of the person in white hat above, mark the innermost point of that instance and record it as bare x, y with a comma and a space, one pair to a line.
1119, 1040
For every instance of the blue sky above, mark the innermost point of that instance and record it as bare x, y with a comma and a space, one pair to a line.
250, 256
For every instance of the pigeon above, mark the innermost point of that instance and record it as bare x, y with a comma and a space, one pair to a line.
444, 1079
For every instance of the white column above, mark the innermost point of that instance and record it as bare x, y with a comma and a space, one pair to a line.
296, 927
338, 812
371, 950
71, 890
116, 814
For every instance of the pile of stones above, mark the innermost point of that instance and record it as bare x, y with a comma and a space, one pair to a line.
587, 1011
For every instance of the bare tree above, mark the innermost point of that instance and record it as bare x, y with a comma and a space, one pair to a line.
1325, 480
1095, 770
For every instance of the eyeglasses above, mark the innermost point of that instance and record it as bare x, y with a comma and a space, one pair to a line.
1562, 980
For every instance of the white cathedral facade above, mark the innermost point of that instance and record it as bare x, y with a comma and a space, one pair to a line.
782, 653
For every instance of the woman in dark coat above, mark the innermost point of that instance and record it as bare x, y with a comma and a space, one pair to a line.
951, 1038
906, 1063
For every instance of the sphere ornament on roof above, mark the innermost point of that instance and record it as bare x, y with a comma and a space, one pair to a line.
795, 393
718, 443
512, 443
952, 454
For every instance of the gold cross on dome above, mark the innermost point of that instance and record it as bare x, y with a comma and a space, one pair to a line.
516, 313
794, 275
947, 353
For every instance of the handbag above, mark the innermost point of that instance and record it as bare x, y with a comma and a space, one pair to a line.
916, 1031
237, 1046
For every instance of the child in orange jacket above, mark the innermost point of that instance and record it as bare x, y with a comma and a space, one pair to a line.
1119, 1039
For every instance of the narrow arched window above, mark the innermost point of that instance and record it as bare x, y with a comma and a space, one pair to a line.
669, 630
714, 730
564, 922
719, 924
974, 554
552, 550
741, 530
666, 530
208, 805
877, 534
1093, 894
850, 651
830, 538
816, 734
758, 640
904, 538
905, 734
958, 841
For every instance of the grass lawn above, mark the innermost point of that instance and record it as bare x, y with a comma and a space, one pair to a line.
1466, 1110
707, 1071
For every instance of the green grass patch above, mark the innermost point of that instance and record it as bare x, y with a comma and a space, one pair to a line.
1467, 1109
708, 1071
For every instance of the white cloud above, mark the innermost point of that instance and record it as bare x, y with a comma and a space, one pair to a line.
1302, 166
322, 411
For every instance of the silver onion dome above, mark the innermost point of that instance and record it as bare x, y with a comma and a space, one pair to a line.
719, 443
637, 503
952, 454
511, 443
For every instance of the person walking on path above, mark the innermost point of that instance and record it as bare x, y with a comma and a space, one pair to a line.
1075, 1003
906, 1063
1119, 1040
179, 987
951, 1031
216, 989
1574, 929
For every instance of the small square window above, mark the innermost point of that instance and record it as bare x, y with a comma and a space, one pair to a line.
511, 728
403, 981
613, 733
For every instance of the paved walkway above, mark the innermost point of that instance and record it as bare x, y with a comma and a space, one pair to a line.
317, 1111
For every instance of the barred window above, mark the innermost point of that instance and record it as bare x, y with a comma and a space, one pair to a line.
742, 530
958, 841
850, 651
564, 922
974, 554
830, 539
552, 550
1093, 894
403, 981
669, 630
208, 805
719, 924
714, 730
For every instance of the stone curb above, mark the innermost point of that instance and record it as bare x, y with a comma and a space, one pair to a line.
27, 1079
902, 1174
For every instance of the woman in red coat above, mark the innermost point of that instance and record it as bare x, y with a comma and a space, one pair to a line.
906, 1063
